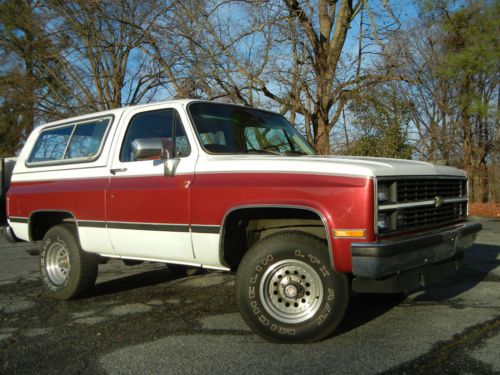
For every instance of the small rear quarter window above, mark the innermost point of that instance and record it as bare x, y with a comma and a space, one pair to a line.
73, 142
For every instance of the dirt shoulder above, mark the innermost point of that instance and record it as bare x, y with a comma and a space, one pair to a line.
491, 210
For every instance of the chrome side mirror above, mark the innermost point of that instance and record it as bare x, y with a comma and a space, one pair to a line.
147, 149
156, 148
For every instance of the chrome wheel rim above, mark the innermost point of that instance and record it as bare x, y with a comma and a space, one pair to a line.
57, 263
291, 291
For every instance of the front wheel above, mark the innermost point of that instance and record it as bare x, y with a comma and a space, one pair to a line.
288, 292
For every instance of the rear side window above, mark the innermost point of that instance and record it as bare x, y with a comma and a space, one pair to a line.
77, 142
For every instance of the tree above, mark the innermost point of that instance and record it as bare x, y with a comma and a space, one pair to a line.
23, 51
280, 53
472, 58
101, 59
452, 51
382, 118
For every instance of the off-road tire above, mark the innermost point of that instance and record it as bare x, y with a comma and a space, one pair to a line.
66, 270
287, 291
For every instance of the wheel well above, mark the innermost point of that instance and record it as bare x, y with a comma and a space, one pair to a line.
244, 227
42, 221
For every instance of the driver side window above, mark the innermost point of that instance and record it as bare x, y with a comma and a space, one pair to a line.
164, 124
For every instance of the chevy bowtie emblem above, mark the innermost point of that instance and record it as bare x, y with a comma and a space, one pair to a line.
438, 201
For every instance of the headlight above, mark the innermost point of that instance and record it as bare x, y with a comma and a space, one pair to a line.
385, 218
382, 193
382, 222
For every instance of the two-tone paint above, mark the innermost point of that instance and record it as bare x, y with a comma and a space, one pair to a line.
132, 210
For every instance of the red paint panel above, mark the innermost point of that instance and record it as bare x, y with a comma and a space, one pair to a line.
84, 198
337, 198
344, 202
155, 199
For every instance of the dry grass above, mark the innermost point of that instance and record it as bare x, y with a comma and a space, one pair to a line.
485, 210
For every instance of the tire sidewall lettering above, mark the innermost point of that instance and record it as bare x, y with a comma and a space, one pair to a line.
254, 295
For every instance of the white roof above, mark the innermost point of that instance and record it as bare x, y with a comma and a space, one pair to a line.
118, 111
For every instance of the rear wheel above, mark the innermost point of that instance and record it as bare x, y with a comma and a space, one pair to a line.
287, 291
66, 270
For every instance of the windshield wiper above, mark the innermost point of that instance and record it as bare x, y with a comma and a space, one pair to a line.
263, 151
295, 153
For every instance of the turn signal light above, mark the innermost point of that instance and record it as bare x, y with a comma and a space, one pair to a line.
351, 233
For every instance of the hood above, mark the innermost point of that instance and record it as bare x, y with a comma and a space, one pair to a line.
335, 165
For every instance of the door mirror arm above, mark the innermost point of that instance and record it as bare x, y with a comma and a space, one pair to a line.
171, 160
170, 166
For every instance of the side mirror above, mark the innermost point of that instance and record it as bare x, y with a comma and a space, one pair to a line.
156, 148
147, 149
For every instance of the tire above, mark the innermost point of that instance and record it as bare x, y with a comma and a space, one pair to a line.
287, 291
66, 270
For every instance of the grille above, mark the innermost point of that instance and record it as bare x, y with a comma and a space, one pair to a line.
413, 218
416, 190
418, 210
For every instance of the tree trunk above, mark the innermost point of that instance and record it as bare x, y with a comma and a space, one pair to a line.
322, 140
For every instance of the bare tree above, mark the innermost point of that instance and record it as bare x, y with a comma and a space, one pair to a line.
285, 51
452, 51
101, 58
24, 51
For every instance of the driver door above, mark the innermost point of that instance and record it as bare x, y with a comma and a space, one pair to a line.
148, 212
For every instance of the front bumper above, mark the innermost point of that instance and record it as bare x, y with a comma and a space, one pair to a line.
400, 265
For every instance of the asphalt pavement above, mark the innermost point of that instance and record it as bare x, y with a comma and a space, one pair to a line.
143, 320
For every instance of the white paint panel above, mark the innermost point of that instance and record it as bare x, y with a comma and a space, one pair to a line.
21, 230
340, 166
96, 168
159, 245
206, 249
95, 240
74, 172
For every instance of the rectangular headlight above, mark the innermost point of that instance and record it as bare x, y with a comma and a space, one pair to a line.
382, 222
382, 192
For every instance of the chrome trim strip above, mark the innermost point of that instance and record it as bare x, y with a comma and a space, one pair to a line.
397, 206
455, 200
421, 177
432, 202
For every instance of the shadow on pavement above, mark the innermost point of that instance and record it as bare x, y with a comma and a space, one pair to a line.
364, 308
136, 281
480, 260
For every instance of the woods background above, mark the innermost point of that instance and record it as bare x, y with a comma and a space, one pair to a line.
410, 79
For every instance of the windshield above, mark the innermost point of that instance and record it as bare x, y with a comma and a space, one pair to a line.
228, 129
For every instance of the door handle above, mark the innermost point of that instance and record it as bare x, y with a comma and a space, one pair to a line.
116, 170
